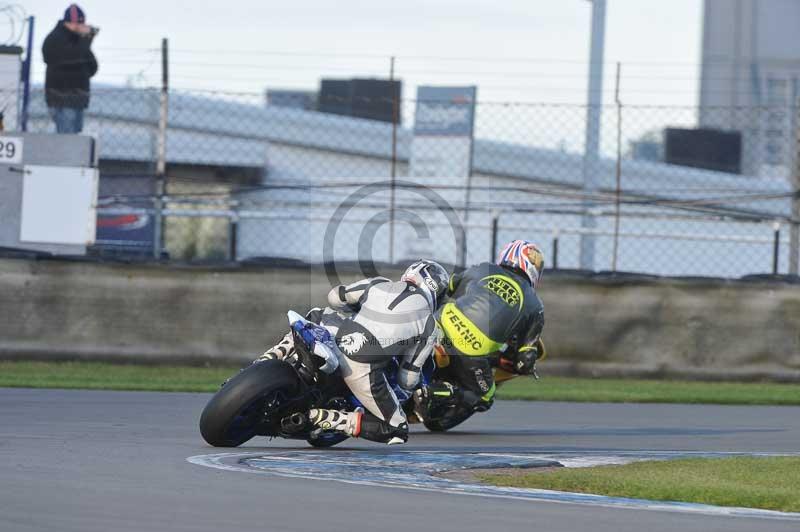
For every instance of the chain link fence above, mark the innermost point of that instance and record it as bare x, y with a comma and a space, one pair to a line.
248, 181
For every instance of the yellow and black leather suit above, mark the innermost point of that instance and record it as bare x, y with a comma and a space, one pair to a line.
491, 310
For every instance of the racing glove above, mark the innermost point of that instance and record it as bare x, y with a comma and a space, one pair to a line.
436, 395
523, 362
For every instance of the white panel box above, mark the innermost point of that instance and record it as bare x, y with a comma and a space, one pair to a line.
11, 150
59, 205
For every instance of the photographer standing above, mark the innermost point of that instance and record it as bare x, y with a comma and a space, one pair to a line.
70, 64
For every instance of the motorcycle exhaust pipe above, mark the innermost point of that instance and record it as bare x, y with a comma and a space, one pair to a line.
295, 423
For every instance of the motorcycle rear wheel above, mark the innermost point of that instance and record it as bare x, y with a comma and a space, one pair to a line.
327, 441
233, 415
450, 420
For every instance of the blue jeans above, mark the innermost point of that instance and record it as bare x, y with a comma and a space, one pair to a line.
67, 119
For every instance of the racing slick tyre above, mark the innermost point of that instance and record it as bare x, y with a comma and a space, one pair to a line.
327, 440
446, 422
238, 410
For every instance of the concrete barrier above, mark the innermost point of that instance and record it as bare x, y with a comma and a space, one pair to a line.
703, 329
600, 326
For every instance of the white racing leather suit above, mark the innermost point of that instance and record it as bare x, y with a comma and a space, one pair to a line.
379, 321
373, 322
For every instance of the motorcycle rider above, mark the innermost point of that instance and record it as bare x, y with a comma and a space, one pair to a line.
369, 324
493, 318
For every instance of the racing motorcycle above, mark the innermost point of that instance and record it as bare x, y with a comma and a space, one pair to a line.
271, 398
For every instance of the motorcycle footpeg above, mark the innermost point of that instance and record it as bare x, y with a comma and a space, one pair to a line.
295, 424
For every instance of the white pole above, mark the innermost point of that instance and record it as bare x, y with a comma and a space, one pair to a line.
593, 114
794, 228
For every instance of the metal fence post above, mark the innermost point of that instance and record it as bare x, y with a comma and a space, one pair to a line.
794, 222
555, 249
493, 251
26, 77
794, 238
233, 234
618, 190
776, 247
392, 192
468, 195
161, 161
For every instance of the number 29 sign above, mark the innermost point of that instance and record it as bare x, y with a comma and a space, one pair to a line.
10, 150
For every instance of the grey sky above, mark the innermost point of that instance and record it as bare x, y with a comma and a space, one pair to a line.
658, 43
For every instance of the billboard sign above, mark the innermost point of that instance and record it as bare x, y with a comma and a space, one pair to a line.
445, 111
123, 221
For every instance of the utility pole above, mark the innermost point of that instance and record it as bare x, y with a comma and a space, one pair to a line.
591, 156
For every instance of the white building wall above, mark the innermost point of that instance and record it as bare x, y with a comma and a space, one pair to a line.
524, 209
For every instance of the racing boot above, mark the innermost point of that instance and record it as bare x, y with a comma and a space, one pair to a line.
336, 421
284, 349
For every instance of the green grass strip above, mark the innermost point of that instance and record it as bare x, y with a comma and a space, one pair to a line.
103, 376
649, 391
750, 482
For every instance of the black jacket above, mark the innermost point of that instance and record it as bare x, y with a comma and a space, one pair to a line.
70, 64
490, 306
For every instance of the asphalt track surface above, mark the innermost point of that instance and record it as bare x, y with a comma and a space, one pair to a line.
116, 461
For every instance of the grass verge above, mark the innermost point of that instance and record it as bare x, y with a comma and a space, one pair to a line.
750, 482
650, 391
103, 376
